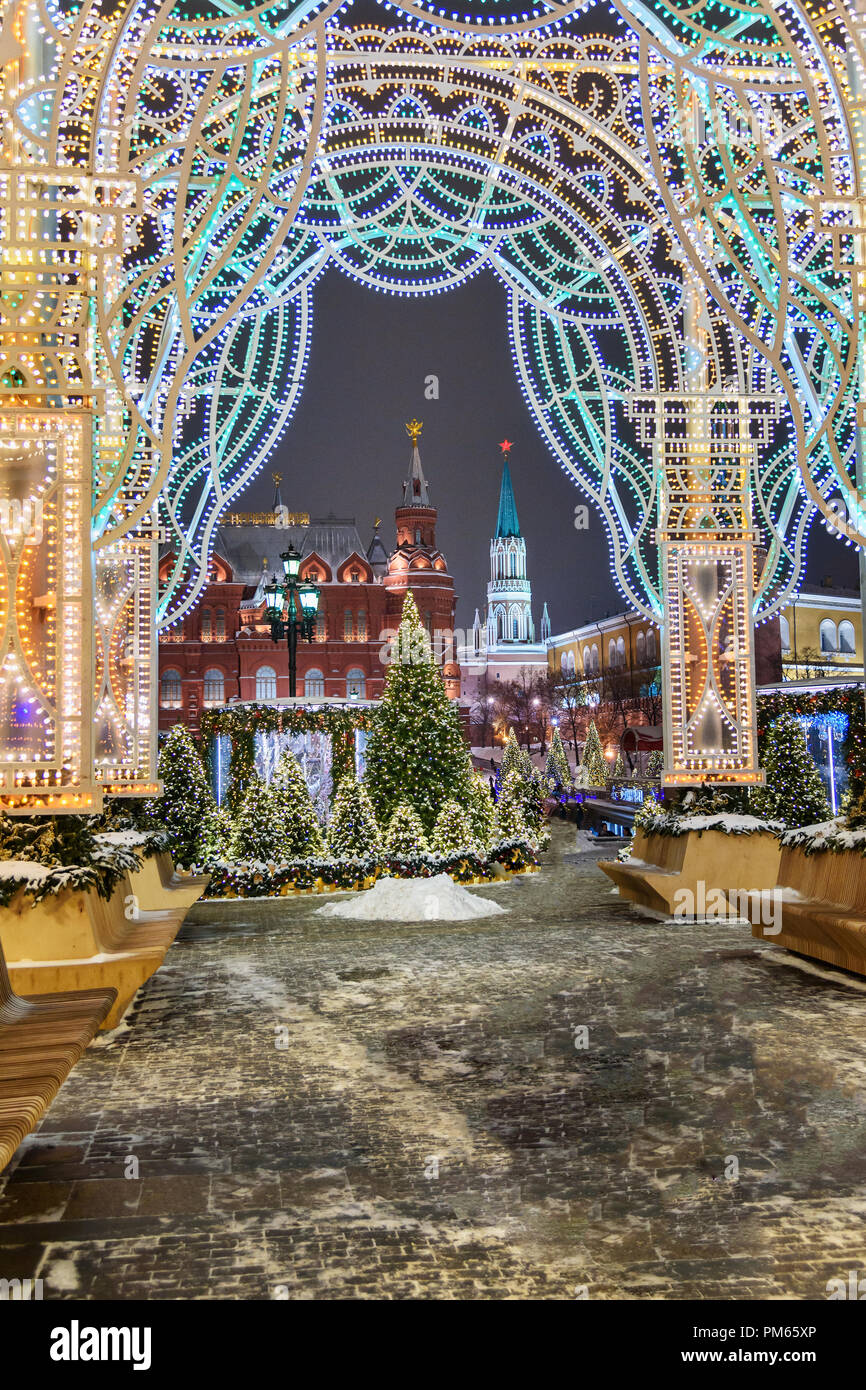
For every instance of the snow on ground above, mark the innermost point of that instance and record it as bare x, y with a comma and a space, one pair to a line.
436, 899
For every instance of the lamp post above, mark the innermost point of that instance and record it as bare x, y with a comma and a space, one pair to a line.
301, 598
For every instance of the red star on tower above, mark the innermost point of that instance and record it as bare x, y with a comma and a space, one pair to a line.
506, 446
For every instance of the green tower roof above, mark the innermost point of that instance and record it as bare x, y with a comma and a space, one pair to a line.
506, 522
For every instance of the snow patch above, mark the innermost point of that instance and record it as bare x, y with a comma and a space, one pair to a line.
436, 899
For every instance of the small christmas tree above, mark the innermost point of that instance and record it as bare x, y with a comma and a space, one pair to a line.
655, 763
416, 751
619, 766
187, 809
452, 830
510, 819
353, 832
293, 804
594, 765
482, 812
405, 834
259, 829
512, 757
556, 770
794, 792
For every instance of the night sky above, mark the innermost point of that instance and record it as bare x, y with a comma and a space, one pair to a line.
346, 450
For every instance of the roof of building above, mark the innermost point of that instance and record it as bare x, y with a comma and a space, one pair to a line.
247, 547
415, 490
506, 522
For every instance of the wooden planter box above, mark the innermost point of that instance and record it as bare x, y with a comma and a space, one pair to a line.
78, 941
828, 919
701, 861
159, 887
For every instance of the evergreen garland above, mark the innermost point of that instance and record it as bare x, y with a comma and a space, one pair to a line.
416, 752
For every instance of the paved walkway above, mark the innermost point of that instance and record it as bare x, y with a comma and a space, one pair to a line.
314, 1108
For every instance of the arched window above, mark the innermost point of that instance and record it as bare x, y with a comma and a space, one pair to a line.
356, 684
170, 690
784, 634
214, 687
314, 683
206, 625
355, 576
220, 625
587, 660
847, 642
828, 635
571, 664
417, 535
348, 626
651, 648
428, 622
620, 651
500, 625
611, 652
640, 649
596, 660
266, 683
515, 627
362, 625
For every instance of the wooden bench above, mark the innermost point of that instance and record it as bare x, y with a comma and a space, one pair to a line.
41, 1039
75, 940
701, 862
828, 918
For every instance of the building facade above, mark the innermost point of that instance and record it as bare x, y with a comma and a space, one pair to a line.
222, 652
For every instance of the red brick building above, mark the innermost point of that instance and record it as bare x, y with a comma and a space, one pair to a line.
222, 652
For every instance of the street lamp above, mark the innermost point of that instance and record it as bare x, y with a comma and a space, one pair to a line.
302, 602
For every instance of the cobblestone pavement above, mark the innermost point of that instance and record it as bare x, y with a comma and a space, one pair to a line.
317, 1108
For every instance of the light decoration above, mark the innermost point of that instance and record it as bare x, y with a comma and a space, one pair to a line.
176, 179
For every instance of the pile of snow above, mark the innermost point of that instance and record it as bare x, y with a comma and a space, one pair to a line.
436, 899
24, 869
130, 838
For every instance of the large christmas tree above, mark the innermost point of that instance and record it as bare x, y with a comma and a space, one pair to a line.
187, 809
416, 752
353, 832
293, 804
594, 766
794, 792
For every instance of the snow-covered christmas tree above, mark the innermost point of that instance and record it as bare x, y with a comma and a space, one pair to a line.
187, 809
353, 832
512, 757
452, 830
259, 828
510, 819
293, 804
594, 767
619, 767
482, 813
794, 792
405, 834
655, 763
557, 772
416, 752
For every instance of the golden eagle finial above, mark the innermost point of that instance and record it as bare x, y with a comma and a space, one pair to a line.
413, 429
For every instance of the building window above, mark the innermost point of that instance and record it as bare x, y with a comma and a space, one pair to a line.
515, 627
205, 626
348, 626
611, 652
221, 625
321, 628
640, 649
314, 684
417, 535
847, 644
266, 683
170, 690
651, 651
784, 634
620, 651
356, 684
595, 659
355, 576
428, 623
362, 625
828, 635
214, 687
